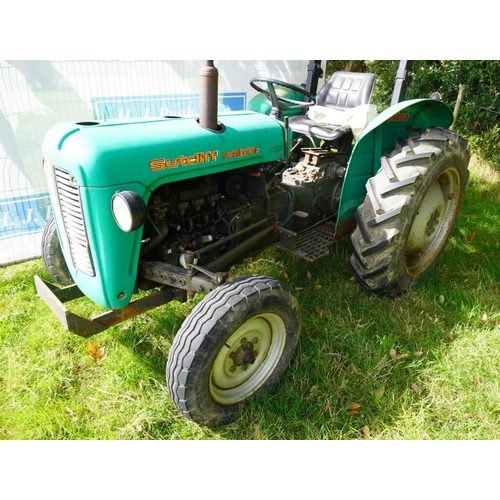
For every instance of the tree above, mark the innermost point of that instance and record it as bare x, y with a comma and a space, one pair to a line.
479, 117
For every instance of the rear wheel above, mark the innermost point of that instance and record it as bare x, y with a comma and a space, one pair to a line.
52, 255
410, 209
235, 343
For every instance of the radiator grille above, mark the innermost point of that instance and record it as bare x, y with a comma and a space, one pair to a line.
68, 197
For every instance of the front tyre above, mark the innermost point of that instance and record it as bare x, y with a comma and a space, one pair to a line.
410, 209
52, 255
235, 343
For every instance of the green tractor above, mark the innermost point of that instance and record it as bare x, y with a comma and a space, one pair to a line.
166, 206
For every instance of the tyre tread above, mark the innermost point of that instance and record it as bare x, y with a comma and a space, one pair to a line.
381, 217
52, 255
198, 327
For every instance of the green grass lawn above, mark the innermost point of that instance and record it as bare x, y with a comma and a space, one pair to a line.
422, 366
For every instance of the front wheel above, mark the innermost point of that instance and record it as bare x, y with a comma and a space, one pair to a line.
235, 343
52, 255
410, 209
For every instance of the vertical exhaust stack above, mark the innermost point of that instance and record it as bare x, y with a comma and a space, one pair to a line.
209, 79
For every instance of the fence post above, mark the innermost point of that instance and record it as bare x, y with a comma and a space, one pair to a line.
458, 103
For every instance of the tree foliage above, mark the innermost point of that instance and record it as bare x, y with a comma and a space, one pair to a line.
479, 116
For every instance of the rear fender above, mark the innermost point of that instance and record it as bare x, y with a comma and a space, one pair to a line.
379, 139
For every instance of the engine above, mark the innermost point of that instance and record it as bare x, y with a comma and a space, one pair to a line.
189, 215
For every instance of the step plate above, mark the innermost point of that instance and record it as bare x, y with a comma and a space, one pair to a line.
313, 244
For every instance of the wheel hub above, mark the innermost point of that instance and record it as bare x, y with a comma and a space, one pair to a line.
426, 221
245, 355
247, 359
433, 222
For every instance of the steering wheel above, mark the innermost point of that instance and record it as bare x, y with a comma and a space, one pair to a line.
280, 102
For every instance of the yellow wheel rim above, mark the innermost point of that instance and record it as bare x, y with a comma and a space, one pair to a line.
434, 221
248, 358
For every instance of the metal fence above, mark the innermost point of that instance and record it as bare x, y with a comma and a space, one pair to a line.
35, 95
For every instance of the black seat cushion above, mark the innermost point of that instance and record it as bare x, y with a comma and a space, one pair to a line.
347, 90
344, 90
304, 125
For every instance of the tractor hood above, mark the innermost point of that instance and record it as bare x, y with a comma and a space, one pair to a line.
117, 152
87, 163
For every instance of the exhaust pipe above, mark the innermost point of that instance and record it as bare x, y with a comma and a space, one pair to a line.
209, 79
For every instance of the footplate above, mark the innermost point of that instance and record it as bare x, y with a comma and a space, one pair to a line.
310, 245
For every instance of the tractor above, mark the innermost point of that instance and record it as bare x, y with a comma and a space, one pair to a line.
147, 211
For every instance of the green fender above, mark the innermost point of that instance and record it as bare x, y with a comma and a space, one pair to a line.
379, 139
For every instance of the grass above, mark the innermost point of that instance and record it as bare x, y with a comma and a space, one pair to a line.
423, 366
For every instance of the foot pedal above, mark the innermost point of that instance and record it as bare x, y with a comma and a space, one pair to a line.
310, 245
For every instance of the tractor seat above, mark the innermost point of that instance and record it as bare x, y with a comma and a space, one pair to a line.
343, 100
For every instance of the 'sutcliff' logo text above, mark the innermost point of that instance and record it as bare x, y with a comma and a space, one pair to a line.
183, 161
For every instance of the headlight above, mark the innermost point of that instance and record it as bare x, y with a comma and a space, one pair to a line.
129, 210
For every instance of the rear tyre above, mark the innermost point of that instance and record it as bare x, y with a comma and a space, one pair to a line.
52, 255
410, 209
234, 345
